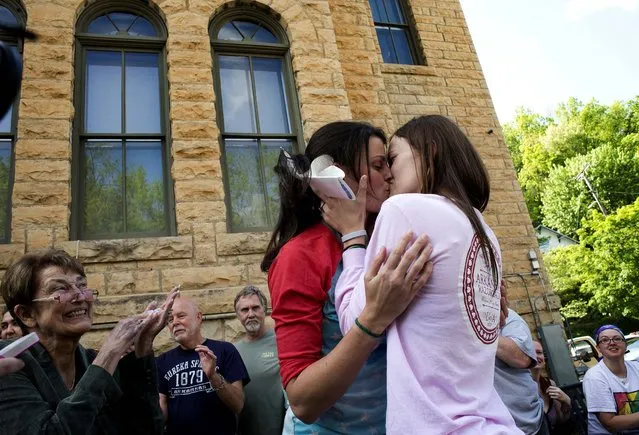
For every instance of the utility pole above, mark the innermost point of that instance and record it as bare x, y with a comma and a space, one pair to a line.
583, 176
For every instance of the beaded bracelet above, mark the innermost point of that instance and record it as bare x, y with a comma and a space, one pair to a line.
367, 331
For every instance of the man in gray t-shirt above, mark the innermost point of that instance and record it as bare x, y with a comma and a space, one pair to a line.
264, 405
513, 380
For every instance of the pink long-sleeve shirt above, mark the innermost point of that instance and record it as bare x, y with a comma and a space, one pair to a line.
441, 351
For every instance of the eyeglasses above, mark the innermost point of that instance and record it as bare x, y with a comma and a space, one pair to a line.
64, 296
615, 340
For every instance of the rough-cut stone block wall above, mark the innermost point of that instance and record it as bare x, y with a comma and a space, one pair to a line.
451, 83
339, 74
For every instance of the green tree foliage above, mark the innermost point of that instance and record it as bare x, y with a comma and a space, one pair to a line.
524, 131
539, 144
523, 138
613, 173
597, 279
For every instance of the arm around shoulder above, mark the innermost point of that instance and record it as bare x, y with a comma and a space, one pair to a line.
321, 384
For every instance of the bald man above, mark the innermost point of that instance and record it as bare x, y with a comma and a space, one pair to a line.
201, 381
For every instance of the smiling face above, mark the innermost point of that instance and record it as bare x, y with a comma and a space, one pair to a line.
59, 319
539, 351
185, 321
610, 348
405, 169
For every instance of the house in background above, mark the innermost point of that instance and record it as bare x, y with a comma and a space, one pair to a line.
550, 239
145, 134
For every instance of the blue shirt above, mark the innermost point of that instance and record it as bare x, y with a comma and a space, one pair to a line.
193, 406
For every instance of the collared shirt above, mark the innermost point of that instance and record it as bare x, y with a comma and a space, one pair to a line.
35, 400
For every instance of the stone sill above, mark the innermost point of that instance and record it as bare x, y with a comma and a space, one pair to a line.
120, 250
210, 301
415, 70
229, 244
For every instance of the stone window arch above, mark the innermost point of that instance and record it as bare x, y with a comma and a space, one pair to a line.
257, 112
121, 158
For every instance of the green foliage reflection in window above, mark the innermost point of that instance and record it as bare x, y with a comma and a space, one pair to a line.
256, 113
123, 186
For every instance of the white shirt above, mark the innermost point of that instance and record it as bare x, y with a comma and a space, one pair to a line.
606, 392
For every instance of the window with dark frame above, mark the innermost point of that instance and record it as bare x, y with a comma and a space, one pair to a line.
10, 14
257, 114
396, 39
122, 186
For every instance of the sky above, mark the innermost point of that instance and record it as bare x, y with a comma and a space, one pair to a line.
538, 53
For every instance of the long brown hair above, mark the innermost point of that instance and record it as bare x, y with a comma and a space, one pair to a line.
451, 167
344, 141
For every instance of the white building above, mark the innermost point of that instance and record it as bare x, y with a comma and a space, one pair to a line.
550, 239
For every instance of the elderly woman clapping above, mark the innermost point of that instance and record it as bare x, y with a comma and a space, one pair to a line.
63, 387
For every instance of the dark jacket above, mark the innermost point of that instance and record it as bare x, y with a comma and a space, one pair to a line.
36, 401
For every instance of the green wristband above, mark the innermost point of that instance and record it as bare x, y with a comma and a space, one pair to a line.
355, 245
367, 331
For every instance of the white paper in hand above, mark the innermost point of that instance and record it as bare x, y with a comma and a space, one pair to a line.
19, 346
329, 179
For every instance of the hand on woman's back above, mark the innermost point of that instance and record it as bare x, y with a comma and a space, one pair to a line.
393, 281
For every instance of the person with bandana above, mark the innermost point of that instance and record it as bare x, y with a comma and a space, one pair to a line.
612, 387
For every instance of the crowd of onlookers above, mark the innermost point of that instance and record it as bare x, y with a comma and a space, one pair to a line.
212, 386
390, 315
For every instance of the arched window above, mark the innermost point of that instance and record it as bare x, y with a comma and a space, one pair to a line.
12, 14
121, 179
257, 113
396, 37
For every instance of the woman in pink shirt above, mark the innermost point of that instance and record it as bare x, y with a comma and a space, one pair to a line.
441, 351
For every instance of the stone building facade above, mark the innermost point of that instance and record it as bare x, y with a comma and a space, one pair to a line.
330, 62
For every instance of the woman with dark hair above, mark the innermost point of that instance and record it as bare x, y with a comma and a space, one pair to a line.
557, 404
9, 328
335, 384
63, 387
441, 351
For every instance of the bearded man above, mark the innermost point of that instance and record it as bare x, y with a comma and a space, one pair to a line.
265, 403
